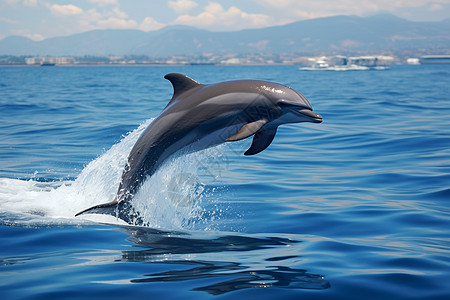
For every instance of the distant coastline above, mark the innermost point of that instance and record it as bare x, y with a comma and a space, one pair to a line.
222, 60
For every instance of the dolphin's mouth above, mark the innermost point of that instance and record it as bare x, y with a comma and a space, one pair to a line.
311, 116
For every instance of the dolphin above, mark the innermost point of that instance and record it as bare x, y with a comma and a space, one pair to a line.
200, 116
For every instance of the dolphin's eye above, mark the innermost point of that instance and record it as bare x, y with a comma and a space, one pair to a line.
293, 105
298, 102
284, 102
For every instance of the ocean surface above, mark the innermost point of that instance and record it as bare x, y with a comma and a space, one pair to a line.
357, 207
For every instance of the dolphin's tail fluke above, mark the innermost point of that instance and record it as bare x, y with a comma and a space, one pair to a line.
109, 208
119, 209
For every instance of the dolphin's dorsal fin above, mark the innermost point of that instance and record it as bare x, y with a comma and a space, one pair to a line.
261, 141
247, 130
181, 83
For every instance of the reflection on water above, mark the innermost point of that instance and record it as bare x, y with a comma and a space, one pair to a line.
224, 257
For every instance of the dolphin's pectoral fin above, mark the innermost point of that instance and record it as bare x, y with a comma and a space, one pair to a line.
247, 130
261, 141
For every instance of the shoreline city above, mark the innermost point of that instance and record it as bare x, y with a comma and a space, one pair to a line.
318, 61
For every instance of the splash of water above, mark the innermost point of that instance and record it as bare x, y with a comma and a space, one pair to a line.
170, 199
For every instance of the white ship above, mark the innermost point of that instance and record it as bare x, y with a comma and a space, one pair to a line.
435, 59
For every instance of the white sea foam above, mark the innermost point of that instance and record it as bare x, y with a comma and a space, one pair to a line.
170, 199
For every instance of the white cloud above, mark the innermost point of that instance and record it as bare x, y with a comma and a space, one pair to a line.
119, 14
10, 2
215, 16
104, 2
30, 2
35, 36
435, 7
24, 2
108, 18
150, 24
306, 9
65, 10
116, 23
10, 21
112, 18
182, 6
115, 19
25, 32
89, 18
18, 3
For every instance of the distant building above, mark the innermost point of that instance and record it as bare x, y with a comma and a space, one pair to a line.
371, 61
343, 63
231, 61
49, 60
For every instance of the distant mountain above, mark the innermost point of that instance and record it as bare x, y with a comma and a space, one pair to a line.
330, 34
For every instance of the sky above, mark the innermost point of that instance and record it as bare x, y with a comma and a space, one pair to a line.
39, 20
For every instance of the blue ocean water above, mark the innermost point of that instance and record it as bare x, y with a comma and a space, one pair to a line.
357, 206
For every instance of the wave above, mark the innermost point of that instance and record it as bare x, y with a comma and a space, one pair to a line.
174, 204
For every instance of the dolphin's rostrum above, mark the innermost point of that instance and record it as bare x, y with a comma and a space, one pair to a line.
200, 116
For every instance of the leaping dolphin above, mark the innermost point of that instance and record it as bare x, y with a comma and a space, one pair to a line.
200, 116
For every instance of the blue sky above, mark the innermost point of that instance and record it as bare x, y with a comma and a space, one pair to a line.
48, 18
